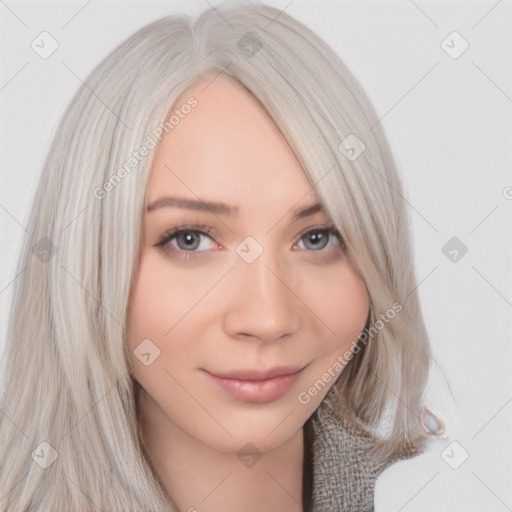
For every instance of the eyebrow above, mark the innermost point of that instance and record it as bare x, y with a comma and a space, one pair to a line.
218, 208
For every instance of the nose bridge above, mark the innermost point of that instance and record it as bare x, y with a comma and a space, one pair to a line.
263, 304
265, 278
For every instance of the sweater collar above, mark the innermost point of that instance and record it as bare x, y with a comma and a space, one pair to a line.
340, 464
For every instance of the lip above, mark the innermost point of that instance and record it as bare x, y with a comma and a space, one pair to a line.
257, 386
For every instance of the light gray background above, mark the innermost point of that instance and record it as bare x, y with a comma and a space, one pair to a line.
449, 123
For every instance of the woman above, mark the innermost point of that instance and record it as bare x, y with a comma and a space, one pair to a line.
217, 309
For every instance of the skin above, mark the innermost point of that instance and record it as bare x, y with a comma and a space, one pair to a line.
298, 303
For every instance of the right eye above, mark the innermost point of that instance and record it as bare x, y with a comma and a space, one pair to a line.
188, 240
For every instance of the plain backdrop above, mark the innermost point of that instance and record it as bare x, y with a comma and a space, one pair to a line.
448, 119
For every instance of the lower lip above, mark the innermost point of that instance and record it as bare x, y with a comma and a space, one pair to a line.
257, 391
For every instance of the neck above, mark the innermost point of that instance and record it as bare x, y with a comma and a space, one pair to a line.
199, 477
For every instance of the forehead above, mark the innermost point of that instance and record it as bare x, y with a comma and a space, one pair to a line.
226, 148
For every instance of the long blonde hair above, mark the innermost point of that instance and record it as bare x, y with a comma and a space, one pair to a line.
68, 391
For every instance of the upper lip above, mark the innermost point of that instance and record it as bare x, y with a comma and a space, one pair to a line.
253, 374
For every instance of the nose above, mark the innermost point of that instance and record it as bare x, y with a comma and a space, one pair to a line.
262, 303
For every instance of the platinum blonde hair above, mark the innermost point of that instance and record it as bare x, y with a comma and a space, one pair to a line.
66, 365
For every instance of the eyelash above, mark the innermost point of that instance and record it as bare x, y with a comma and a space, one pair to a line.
210, 232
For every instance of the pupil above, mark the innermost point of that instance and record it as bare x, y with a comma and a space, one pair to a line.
189, 240
317, 239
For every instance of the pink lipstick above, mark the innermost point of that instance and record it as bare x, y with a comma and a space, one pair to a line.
257, 386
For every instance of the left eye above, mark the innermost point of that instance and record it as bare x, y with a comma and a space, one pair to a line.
318, 239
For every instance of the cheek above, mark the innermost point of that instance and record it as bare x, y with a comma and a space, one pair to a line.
171, 308
162, 311
343, 307
148, 314
154, 311
161, 299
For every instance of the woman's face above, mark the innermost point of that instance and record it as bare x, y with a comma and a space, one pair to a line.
238, 314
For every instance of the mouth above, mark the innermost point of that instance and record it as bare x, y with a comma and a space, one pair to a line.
257, 386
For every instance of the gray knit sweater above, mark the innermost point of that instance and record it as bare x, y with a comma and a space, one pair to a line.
339, 469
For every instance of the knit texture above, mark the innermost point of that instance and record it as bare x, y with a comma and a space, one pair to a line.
340, 469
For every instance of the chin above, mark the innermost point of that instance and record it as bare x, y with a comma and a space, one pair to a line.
265, 427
